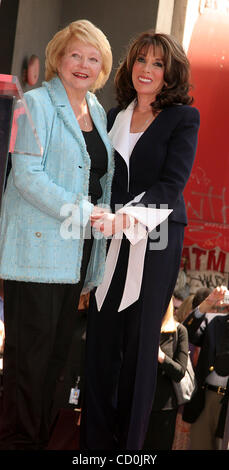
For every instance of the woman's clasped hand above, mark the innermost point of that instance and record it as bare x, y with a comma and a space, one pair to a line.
108, 223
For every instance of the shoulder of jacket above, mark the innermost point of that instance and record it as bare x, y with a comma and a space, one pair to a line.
181, 328
93, 99
182, 333
187, 111
183, 109
38, 96
36, 92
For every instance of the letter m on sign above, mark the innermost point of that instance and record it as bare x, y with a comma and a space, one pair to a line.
216, 265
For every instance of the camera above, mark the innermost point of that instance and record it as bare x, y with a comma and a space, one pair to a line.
226, 298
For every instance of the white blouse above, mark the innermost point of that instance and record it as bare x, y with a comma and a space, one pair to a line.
133, 138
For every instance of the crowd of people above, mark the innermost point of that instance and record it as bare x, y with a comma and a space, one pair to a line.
199, 328
120, 177
206, 321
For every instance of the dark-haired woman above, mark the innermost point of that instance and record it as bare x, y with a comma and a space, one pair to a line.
154, 132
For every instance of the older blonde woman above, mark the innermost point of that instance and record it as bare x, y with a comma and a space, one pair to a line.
46, 252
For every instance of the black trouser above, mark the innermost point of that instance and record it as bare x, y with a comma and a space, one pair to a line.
40, 321
122, 351
161, 430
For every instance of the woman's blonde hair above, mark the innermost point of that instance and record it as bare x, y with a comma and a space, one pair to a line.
169, 324
86, 32
184, 309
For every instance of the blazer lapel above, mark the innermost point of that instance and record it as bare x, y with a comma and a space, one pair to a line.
219, 331
60, 100
119, 133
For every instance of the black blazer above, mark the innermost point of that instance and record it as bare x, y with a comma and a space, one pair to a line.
210, 337
161, 161
175, 347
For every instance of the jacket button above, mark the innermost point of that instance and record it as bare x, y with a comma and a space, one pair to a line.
38, 234
211, 368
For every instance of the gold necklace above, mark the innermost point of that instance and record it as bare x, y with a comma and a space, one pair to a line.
147, 120
82, 115
85, 121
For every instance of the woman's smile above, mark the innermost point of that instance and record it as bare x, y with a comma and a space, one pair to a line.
144, 79
81, 75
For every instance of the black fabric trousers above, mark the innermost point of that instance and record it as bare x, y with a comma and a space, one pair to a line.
40, 321
122, 351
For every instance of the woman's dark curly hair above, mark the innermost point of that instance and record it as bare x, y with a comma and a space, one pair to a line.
176, 71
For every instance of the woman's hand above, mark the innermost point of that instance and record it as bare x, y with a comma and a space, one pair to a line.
97, 211
161, 355
109, 224
216, 298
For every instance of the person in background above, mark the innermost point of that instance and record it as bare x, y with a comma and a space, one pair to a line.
200, 295
178, 299
154, 132
184, 309
182, 432
207, 408
172, 363
44, 265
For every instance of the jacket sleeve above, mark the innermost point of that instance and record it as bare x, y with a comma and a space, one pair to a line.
196, 327
179, 161
29, 175
175, 367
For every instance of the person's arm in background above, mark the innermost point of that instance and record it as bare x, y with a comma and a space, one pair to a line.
175, 367
196, 321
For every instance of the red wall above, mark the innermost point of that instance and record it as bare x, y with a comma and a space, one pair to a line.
207, 192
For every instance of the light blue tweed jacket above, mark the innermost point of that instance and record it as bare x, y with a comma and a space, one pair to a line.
38, 241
